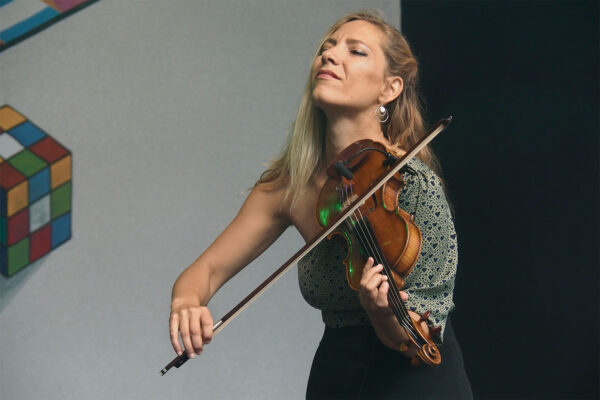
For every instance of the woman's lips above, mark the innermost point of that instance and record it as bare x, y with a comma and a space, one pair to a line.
326, 74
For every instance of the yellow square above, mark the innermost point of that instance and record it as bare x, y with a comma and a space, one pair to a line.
60, 172
9, 118
17, 198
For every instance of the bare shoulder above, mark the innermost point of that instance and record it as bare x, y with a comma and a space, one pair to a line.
271, 198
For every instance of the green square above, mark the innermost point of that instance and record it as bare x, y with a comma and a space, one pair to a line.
3, 231
60, 200
27, 163
18, 256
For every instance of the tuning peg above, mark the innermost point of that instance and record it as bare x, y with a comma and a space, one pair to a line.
435, 331
425, 317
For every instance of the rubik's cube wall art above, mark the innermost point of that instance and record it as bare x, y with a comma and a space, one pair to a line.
20, 19
35, 192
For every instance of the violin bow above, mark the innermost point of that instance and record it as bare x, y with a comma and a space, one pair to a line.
241, 306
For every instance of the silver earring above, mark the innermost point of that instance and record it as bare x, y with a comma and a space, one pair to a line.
382, 114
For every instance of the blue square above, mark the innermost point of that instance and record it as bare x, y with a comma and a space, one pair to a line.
39, 185
28, 24
61, 229
27, 133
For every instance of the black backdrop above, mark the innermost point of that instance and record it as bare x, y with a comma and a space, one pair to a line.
521, 163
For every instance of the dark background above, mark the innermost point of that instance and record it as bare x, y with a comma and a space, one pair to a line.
521, 163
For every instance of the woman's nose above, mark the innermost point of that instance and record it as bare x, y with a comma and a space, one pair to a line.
329, 56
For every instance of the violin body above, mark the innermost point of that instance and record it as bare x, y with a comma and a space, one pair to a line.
379, 229
400, 241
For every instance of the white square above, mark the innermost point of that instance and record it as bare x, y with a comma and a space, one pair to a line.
39, 213
9, 146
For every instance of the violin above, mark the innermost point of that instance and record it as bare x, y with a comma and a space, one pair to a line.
379, 228
427, 350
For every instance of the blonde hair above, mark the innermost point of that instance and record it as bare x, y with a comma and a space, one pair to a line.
304, 154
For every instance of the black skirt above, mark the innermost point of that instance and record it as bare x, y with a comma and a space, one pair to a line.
352, 363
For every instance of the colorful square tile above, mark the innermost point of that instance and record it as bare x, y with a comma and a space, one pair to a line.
39, 185
29, 24
64, 5
9, 146
9, 118
3, 231
27, 133
61, 230
18, 256
60, 172
41, 243
27, 163
17, 198
17, 227
9, 176
39, 213
60, 200
49, 150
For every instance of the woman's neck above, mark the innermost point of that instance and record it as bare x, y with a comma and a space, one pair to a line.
343, 130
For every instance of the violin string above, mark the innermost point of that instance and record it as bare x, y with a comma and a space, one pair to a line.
364, 233
393, 295
368, 238
396, 303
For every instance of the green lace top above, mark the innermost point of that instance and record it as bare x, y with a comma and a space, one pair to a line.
430, 284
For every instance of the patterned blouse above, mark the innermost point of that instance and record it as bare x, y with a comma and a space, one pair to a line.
430, 284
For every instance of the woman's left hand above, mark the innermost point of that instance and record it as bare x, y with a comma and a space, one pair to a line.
373, 294
374, 289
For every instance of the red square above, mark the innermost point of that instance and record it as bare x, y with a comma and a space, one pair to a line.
9, 176
18, 227
40, 243
48, 149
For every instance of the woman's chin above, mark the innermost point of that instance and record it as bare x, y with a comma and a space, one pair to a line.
325, 103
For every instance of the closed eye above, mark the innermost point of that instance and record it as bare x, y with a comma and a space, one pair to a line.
358, 53
323, 49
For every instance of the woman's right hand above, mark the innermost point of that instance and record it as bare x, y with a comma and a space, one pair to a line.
195, 325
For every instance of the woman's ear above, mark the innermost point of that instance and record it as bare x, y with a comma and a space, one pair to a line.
393, 88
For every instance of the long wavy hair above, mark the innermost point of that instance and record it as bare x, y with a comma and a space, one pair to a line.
304, 153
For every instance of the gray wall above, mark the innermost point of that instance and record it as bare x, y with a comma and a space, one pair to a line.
170, 110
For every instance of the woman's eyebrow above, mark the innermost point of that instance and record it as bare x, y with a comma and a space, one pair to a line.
349, 41
356, 41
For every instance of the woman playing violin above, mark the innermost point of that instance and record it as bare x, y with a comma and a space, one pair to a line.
362, 85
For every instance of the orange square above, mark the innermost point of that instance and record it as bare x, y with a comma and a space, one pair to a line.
60, 172
16, 198
9, 118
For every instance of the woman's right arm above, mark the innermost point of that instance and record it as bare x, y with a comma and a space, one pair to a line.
259, 222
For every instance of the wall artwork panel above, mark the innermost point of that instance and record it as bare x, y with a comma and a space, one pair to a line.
20, 19
35, 192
